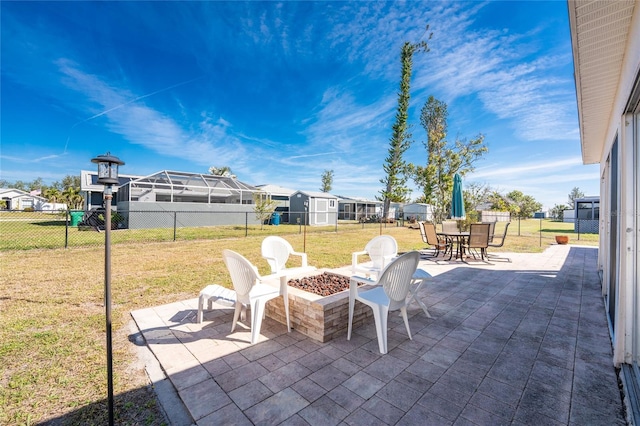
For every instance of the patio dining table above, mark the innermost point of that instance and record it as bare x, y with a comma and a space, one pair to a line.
459, 237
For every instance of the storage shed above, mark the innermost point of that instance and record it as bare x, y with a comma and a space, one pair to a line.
419, 211
322, 208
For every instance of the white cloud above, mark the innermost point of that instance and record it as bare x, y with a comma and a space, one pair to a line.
140, 124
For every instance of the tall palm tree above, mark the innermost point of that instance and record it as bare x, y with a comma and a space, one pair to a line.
53, 195
73, 198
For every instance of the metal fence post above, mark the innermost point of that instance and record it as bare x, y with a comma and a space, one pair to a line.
66, 230
246, 224
175, 225
540, 232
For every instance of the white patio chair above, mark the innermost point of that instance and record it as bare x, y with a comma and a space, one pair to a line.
276, 251
390, 294
420, 277
381, 250
250, 290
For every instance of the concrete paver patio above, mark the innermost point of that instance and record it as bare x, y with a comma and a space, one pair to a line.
519, 343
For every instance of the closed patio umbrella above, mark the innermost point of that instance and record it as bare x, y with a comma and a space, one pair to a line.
457, 202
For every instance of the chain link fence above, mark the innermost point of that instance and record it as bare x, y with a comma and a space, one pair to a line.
26, 230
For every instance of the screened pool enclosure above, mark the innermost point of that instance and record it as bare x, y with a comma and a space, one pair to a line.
182, 187
179, 199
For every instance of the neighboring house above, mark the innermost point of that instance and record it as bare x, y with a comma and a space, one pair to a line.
16, 199
569, 216
92, 191
586, 214
419, 211
605, 40
281, 196
321, 208
354, 208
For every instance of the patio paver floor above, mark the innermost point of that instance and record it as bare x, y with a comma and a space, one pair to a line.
519, 343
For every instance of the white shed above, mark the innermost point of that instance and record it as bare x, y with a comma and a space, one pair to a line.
420, 211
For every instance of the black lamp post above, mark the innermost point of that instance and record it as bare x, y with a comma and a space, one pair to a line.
306, 218
108, 176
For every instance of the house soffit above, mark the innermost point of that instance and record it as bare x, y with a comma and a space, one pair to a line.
599, 33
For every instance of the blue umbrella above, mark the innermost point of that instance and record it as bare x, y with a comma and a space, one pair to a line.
457, 202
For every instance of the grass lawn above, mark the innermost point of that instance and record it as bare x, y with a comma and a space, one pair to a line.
52, 339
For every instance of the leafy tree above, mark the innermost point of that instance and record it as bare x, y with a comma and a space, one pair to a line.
35, 184
498, 202
573, 195
20, 185
221, 171
395, 182
557, 212
523, 205
264, 207
70, 181
444, 160
327, 180
515, 202
475, 195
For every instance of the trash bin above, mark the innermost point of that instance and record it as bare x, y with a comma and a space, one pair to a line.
275, 218
76, 217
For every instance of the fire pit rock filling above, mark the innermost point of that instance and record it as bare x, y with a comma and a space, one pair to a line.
324, 284
319, 306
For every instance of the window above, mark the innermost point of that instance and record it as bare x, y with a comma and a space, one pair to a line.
332, 204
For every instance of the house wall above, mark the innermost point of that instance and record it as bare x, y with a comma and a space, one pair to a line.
620, 208
139, 215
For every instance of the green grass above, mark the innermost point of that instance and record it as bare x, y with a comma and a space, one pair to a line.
52, 355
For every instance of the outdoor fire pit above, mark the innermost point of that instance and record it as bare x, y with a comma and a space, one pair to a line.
324, 284
319, 306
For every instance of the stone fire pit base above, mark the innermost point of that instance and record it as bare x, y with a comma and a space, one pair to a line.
320, 317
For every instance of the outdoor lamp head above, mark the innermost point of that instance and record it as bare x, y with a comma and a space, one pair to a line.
107, 168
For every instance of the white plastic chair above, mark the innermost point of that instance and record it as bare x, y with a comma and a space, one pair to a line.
276, 251
381, 250
250, 290
420, 277
390, 294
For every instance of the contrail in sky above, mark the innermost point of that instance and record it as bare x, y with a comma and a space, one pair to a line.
125, 104
312, 155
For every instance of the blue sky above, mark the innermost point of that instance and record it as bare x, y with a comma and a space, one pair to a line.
281, 91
